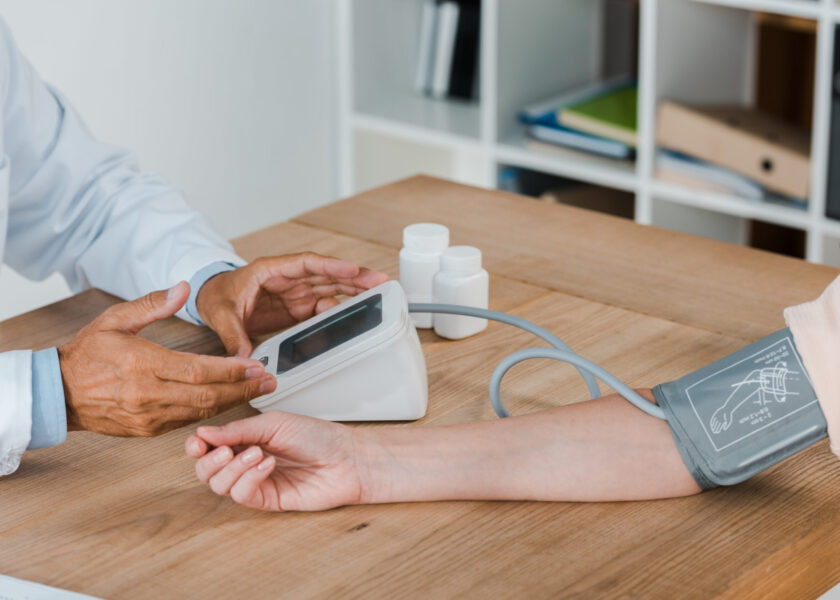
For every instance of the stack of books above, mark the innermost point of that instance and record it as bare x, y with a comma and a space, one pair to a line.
736, 150
447, 61
599, 118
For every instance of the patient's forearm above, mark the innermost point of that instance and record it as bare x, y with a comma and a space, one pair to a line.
604, 449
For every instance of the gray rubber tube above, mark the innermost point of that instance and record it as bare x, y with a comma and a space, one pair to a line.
559, 351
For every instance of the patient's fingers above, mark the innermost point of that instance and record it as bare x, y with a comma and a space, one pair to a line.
224, 479
210, 464
248, 488
195, 447
258, 429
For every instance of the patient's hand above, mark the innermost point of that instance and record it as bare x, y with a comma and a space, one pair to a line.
278, 461
273, 293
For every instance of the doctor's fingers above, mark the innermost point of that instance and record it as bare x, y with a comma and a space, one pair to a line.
154, 409
305, 264
364, 280
231, 331
325, 304
304, 291
133, 316
188, 402
197, 369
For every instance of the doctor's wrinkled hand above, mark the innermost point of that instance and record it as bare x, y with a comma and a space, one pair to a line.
118, 383
273, 293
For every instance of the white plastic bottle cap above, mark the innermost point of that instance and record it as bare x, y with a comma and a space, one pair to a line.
426, 237
461, 259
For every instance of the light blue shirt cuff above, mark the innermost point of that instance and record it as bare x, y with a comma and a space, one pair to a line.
199, 279
49, 414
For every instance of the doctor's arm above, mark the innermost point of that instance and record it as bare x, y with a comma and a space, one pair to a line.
599, 450
83, 208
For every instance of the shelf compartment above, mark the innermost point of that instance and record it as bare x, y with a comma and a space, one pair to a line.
555, 189
722, 53
732, 205
563, 52
382, 159
567, 162
385, 43
698, 221
831, 249
422, 119
809, 9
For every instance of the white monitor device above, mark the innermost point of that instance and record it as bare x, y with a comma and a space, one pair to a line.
358, 361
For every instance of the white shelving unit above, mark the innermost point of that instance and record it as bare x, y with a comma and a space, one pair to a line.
690, 50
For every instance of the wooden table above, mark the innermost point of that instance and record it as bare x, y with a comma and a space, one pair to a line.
126, 518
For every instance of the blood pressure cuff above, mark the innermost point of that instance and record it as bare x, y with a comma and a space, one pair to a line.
744, 413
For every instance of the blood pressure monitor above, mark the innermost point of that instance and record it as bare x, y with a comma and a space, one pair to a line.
359, 361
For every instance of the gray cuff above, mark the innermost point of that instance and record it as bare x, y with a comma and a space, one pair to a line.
744, 413
691, 461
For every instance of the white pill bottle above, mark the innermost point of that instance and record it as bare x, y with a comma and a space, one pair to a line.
423, 244
461, 281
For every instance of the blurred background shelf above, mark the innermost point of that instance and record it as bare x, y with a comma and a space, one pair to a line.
414, 115
444, 128
732, 205
776, 55
809, 9
620, 174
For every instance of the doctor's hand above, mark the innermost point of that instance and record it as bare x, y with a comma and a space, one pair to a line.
279, 461
118, 383
273, 293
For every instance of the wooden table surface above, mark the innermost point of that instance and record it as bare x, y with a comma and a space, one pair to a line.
126, 518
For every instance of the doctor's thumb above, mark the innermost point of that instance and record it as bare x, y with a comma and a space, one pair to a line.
133, 316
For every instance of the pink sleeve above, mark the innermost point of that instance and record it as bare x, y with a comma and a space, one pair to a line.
816, 331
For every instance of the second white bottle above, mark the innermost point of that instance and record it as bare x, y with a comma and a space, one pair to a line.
462, 281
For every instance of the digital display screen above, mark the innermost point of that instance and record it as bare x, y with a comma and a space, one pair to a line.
330, 333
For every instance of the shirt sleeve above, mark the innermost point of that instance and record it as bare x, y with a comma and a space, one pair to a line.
83, 208
49, 414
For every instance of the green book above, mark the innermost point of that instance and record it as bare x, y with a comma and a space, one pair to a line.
611, 114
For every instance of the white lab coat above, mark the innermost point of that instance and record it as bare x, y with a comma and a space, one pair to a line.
82, 208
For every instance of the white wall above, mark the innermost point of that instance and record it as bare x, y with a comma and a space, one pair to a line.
231, 100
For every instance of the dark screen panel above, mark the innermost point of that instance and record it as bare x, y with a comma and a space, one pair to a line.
330, 333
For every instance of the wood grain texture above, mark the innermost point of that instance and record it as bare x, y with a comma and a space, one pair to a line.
654, 271
126, 518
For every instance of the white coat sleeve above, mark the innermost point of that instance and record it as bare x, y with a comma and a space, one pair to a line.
15, 408
83, 208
